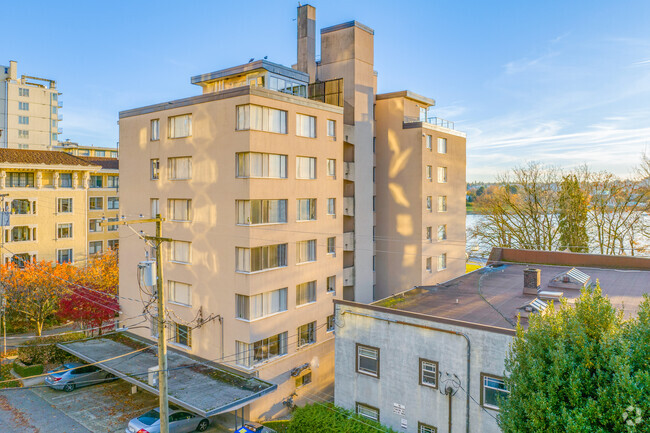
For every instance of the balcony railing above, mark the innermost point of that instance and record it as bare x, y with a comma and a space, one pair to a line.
438, 121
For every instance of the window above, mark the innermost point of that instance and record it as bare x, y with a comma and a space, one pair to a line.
183, 335
442, 232
179, 209
331, 168
113, 154
367, 360
442, 174
22, 207
113, 203
306, 293
21, 234
113, 244
429, 265
442, 203
64, 231
305, 126
23, 106
331, 206
306, 251
96, 181
330, 323
64, 205
306, 209
331, 284
251, 212
155, 207
366, 411
95, 247
303, 380
23, 120
252, 164
20, 180
429, 235
64, 256
23, 92
331, 245
262, 305
155, 129
429, 373
23, 133
55, 96
96, 203
180, 293
155, 169
493, 388
307, 334
180, 168
261, 258
331, 128
428, 202
180, 126
112, 181
429, 142
112, 228
442, 145
442, 261
84, 152
262, 350
180, 252
305, 167
55, 136
258, 118
429, 172
93, 225
55, 109
65, 180
101, 153
424, 428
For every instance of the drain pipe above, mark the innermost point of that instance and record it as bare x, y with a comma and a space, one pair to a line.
431, 328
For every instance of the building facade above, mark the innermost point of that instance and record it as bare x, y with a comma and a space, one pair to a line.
103, 205
47, 194
29, 111
432, 359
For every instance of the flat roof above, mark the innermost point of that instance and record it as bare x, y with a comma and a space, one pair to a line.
347, 25
247, 67
409, 95
492, 296
197, 386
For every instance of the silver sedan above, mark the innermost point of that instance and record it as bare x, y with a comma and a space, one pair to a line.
75, 375
180, 421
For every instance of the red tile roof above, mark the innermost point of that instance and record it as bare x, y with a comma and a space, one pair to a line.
106, 163
40, 157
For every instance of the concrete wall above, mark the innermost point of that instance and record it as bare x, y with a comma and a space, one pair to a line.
567, 259
401, 346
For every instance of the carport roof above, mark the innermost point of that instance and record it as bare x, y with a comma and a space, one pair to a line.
199, 387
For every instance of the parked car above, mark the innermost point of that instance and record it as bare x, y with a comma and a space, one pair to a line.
73, 375
180, 421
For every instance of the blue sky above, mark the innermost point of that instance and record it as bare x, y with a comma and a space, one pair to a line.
559, 82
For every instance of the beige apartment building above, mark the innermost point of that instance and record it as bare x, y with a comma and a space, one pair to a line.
47, 196
267, 185
29, 110
103, 204
76, 149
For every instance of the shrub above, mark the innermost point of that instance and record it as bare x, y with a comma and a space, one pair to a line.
44, 350
27, 370
279, 426
327, 418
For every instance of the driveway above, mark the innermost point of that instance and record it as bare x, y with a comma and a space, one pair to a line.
103, 408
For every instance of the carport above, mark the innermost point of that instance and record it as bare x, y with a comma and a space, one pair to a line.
198, 386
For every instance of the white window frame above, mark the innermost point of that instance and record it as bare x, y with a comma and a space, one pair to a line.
185, 131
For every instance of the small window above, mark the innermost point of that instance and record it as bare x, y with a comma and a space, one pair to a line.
113, 244
442, 174
179, 209
442, 262
101, 153
64, 205
366, 411
155, 207
305, 126
331, 284
428, 202
180, 168
305, 167
96, 181
442, 232
96, 203
429, 142
429, 172
331, 168
112, 181
180, 252
331, 206
331, 128
180, 293
23, 106
331, 245
113, 203
368, 360
428, 265
429, 373
64, 256
442, 145
442, 203
425, 428
180, 126
306, 209
93, 225
64, 231
306, 293
429, 233
330, 323
24, 92
95, 247
155, 169
155, 129
65, 180
307, 334
303, 380
112, 228
183, 335
493, 388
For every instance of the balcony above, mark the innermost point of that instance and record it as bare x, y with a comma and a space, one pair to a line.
348, 206
348, 171
348, 276
437, 121
348, 241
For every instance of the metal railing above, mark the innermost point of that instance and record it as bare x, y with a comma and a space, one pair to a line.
438, 121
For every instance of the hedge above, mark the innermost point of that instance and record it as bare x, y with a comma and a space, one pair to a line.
44, 350
27, 370
327, 418
278, 426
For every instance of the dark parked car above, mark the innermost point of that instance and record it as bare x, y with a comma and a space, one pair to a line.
76, 376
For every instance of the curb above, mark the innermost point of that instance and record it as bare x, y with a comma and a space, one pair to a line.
28, 381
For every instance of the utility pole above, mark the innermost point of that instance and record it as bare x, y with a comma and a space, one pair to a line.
4, 221
160, 293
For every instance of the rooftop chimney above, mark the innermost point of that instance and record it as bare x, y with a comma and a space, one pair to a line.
532, 281
13, 70
307, 41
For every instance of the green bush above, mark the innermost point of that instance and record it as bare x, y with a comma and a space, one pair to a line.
44, 350
279, 426
27, 370
327, 418
5, 375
